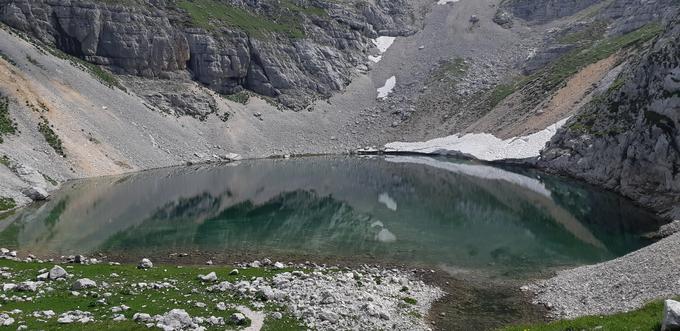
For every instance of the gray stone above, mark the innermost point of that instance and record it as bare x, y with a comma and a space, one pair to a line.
36, 193
671, 316
145, 264
83, 283
211, 277
27, 286
57, 272
238, 318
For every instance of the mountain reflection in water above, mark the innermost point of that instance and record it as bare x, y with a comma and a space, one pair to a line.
395, 208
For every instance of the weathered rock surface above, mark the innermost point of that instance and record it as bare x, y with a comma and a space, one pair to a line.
671, 316
542, 11
628, 140
156, 39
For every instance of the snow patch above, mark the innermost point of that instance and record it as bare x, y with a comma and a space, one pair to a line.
382, 43
386, 89
482, 146
443, 2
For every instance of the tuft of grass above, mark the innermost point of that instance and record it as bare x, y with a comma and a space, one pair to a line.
645, 318
7, 203
212, 14
7, 125
4, 160
50, 136
450, 70
8, 59
410, 301
240, 97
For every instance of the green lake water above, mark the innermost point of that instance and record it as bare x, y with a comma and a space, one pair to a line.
397, 209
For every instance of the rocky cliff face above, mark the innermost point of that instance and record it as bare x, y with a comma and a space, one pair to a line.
628, 139
311, 49
541, 11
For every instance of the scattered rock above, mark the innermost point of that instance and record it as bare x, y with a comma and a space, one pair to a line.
83, 283
176, 319
238, 318
671, 316
57, 272
145, 264
6, 320
27, 286
211, 277
233, 272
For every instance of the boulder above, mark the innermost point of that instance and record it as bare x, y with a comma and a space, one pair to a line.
176, 319
27, 286
238, 318
211, 277
671, 316
57, 272
83, 283
145, 264
36, 193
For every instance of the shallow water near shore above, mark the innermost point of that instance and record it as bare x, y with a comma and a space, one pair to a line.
458, 217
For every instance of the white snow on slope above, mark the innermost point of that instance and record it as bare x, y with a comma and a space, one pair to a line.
382, 43
386, 89
482, 146
443, 2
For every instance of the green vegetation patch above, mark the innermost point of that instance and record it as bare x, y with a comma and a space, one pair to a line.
410, 301
50, 136
450, 70
7, 125
240, 97
180, 289
7, 203
556, 74
211, 14
645, 318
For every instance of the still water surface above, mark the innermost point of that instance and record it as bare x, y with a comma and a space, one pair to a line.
404, 209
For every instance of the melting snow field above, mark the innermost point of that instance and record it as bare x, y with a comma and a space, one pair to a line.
382, 43
482, 146
443, 2
386, 89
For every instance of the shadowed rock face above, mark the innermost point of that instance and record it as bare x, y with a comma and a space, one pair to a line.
628, 140
155, 39
541, 11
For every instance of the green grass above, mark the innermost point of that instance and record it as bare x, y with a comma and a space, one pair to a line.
7, 125
557, 73
410, 301
50, 136
7, 203
240, 97
4, 160
186, 292
212, 14
593, 32
7, 58
451, 70
647, 318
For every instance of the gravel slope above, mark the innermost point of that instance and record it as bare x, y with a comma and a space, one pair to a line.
619, 285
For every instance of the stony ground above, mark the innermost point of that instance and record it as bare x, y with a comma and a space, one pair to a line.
619, 285
86, 293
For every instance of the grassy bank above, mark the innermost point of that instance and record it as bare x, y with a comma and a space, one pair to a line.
647, 318
120, 285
